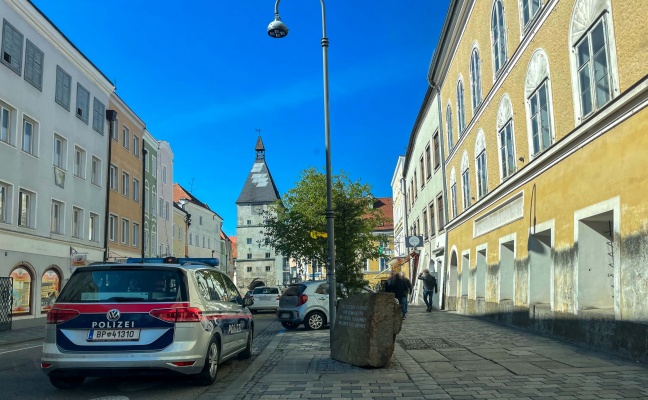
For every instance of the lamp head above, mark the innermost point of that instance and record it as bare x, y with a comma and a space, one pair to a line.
277, 29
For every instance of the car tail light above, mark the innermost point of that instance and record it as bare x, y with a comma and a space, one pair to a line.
278, 297
303, 298
45, 365
183, 363
183, 314
56, 316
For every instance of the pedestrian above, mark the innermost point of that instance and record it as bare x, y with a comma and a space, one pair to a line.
390, 282
429, 287
400, 286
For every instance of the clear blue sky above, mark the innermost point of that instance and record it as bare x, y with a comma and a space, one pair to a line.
204, 75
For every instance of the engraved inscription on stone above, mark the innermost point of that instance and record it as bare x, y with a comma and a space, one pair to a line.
352, 316
506, 213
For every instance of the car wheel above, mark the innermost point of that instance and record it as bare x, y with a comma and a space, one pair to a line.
66, 382
247, 353
289, 325
208, 374
314, 320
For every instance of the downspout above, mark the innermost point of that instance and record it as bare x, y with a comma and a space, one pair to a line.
406, 227
144, 155
111, 117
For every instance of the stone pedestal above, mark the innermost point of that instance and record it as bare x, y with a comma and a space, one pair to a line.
365, 330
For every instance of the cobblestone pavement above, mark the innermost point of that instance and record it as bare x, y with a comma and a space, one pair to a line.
441, 355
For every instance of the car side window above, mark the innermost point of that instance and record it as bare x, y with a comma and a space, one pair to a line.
274, 291
206, 286
220, 289
231, 288
322, 289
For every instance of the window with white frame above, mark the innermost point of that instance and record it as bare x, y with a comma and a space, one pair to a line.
498, 36
146, 192
126, 184
465, 180
136, 190
164, 172
83, 103
191, 239
179, 233
63, 88
12, 47
6, 133
153, 203
537, 88
529, 9
449, 127
146, 241
506, 138
112, 228
26, 208
167, 211
136, 234
56, 225
136, 146
125, 231
126, 137
461, 110
29, 136
114, 134
161, 207
161, 249
200, 220
5, 202
114, 179
437, 150
93, 227
96, 171
98, 115
453, 194
154, 166
77, 222
60, 152
79, 162
475, 79
34, 65
480, 162
153, 239
146, 162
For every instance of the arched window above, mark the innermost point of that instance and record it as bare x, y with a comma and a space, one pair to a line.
465, 180
480, 162
449, 127
22, 290
453, 193
498, 36
461, 111
595, 79
475, 79
505, 136
528, 10
50, 287
537, 91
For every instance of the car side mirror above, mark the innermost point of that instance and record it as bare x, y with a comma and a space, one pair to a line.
248, 302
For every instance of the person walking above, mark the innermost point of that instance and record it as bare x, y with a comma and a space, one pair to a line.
429, 287
400, 288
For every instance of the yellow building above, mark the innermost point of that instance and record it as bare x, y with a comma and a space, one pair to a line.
377, 270
543, 112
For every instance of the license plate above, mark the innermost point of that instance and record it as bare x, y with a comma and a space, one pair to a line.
110, 335
285, 315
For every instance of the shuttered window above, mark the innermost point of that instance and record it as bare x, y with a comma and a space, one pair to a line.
99, 111
34, 65
83, 102
63, 88
12, 44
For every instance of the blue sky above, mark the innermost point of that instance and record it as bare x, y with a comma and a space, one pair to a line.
204, 75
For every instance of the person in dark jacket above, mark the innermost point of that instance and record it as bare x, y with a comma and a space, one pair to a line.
429, 287
400, 287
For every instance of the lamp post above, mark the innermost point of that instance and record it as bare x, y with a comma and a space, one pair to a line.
277, 29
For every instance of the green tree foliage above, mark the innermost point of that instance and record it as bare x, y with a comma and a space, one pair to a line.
296, 224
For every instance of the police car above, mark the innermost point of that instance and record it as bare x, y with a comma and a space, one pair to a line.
148, 316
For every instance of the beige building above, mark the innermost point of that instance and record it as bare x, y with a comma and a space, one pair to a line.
180, 230
543, 107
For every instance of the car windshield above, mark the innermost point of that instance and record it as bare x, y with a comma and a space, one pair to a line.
266, 290
294, 290
124, 285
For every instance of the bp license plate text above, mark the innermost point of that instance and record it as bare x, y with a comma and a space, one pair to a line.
107, 335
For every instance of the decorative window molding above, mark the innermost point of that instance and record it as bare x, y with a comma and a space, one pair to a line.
504, 111
480, 162
498, 38
537, 88
475, 78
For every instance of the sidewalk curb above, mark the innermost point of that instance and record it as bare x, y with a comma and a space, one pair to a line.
235, 387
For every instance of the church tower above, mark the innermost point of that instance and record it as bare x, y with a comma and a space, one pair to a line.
257, 261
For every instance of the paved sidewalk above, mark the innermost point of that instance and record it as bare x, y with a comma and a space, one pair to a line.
440, 355
22, 335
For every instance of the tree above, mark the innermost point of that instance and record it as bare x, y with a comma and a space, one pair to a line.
295, 226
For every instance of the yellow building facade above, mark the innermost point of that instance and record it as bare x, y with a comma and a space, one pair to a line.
543, 111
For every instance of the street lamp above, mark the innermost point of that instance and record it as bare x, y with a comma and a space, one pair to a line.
277, 29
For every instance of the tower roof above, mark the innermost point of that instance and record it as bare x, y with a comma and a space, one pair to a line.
259, 186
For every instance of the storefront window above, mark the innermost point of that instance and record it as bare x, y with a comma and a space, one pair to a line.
21, 291
50, 286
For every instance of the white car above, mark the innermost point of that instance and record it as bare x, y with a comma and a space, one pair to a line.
265, 298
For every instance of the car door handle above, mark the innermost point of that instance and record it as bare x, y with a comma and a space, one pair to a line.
322, 298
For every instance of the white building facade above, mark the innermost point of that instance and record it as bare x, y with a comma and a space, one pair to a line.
165, 199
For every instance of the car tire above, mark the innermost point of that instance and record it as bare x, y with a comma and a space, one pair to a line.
315, 320
247, 353
208, 374
289, 325
67, 382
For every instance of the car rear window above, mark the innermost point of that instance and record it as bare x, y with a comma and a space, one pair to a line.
266, 290
124, 285
294, 290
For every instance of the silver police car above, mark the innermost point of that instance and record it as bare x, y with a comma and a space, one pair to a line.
148, 316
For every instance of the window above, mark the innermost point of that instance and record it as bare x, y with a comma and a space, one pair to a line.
125, 231
249, 222
422, 167
249, 269
200, 219
529, 10
146, 241
63, 88
505, 138
191, 239
5, 202
146, 163
475, 79
114, 134
112, 228
93, 228
126, 138
96, 171
136, 233
428, 161
114, 179
12, 45
267, 255
461, 112
154, 166
440, 213
248, 240
465, 180
5, 125
98, 116
425, 225
136, 190
60, 147
449, 127
413, 183
538, 106
267, 268
161, 207
432, 220
153, 204
437, 150
29, 137
50, 286
77, 222
126, 184
22, 291
249, 255
179, 233
26, 208
83, 103
453, 194
136, 146
204, 242
167, 211
164, 180
34, 65
498, 36
79, 162
161, 249
480, 161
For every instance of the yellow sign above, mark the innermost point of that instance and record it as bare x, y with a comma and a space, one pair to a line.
315, 234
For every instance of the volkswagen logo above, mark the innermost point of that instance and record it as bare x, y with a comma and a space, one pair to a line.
113, 315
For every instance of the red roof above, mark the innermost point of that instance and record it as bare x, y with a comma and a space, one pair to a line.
386, 206
234, 254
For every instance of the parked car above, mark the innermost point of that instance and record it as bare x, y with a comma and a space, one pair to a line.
265, 298
169, 316
304, 303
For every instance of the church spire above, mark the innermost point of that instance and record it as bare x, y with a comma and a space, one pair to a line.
260, 149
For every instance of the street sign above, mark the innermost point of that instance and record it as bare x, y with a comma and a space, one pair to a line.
315, 234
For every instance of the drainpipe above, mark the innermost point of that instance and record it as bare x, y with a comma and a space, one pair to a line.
406, 227
111, 117
446, 208
144, 155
